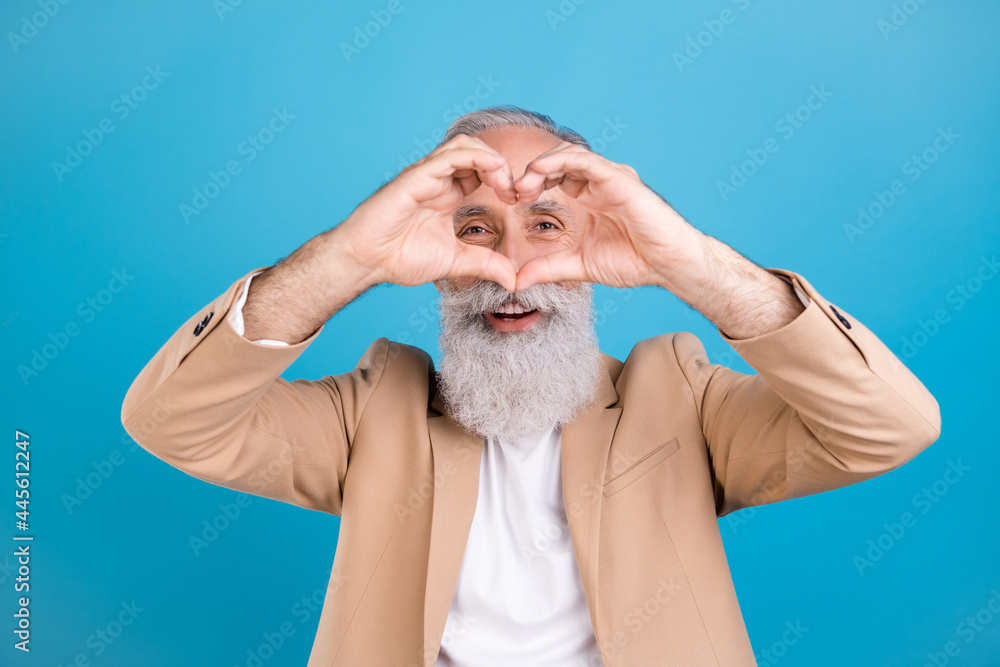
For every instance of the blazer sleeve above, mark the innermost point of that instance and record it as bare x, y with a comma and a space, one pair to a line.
213, 404
830, 406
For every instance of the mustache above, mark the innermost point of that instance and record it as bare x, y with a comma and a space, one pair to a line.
486, 296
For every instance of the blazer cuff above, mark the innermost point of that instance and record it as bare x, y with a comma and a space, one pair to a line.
814, 313
803, 297
825, 335
211, 328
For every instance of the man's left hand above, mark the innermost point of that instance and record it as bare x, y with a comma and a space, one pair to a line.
631, 236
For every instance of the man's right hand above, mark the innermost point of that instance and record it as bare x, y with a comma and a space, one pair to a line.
402, 234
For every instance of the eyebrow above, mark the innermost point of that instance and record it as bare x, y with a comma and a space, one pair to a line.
538, 207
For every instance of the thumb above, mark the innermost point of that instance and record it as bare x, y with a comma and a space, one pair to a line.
480, 262
554, 267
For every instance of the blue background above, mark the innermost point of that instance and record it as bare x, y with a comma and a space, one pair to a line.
683, 125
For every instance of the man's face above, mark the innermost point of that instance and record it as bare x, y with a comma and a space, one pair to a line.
497, 382
519, 231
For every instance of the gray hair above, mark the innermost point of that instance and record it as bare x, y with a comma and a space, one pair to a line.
508, 115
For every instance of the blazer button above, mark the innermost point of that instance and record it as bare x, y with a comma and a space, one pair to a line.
198, 328
843, 320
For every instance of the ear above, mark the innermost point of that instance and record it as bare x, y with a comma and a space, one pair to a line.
439, 285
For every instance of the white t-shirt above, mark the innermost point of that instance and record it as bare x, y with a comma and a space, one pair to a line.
519, 598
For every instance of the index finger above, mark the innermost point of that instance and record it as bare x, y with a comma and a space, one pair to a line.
571, 167
471, 166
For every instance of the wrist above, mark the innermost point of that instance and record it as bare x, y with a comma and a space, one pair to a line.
687, 273
293, 299
741, 298
343, 264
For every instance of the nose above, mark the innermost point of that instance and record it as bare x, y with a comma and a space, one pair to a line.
516, 248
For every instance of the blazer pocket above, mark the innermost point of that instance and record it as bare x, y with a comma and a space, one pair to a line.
640, 467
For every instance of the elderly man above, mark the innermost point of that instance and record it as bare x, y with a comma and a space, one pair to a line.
533, 501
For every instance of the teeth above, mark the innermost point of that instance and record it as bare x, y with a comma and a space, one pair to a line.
512, 309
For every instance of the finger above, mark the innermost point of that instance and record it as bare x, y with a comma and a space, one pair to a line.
472, 166
502, 182
552, 268
469, 181
505, 186
480, 262
570, 169
460, 141
550, 181
573, 163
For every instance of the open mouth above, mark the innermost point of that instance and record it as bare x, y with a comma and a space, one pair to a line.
512, 316
511, 312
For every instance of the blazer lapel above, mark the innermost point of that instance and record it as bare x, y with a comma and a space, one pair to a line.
457, 456
585, 446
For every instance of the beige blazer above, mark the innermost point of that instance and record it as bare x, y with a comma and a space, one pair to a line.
671, 443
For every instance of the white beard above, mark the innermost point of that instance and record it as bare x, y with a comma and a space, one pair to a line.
511, 384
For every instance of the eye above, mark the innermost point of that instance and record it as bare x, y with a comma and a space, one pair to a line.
477, 229
546, 225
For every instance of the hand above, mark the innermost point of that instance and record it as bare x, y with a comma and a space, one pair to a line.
630, 236
404, 233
